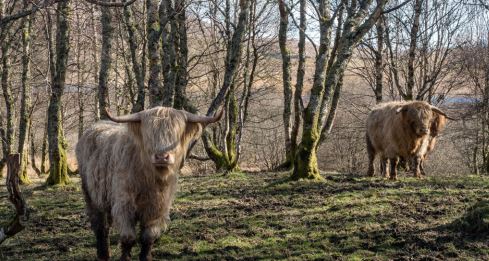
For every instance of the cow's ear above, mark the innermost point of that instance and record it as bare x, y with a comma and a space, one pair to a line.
401, 109
192, 131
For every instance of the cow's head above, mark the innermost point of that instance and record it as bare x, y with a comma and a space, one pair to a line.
165, 133
418, 116
437, 124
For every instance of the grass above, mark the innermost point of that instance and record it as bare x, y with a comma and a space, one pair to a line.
257, 216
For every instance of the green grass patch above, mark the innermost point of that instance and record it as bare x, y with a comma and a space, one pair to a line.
249, 216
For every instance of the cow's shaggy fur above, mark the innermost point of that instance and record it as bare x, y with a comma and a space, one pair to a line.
120, 182
398, 129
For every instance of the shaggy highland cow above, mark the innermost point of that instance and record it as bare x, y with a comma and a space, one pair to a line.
129, 173
399, 129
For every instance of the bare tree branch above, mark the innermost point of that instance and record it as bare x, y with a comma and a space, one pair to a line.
124, 3
23, 13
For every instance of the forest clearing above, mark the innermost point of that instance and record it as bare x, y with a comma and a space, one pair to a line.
250, 216
244, 130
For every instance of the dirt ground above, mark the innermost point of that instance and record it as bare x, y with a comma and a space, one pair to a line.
249, 216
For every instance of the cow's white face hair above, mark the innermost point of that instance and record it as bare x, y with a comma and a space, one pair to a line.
162, 133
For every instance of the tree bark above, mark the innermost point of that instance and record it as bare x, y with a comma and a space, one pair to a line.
58, 174
168, 43
105, 61
25, 103
15, 197
286, 79
379, 61
136, 66
412, 50
297, 102
153, 35
182, 60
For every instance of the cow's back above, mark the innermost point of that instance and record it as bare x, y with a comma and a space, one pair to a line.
382, 128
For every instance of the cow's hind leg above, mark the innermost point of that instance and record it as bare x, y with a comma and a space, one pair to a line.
148, 237
99, 222
371, 157
100, 227
393, 163
384, 166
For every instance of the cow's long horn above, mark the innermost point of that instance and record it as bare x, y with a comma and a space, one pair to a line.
134, 117
204, 119
435, 109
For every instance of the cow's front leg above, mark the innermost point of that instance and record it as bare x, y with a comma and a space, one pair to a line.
394, 162
417, 166
149, 235
126, 222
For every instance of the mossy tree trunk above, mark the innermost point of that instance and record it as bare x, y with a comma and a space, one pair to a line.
5, 42
168, 57
58, 174
25, 103
226, 159
286, 79
328, 77
297, 101
153, 36
105, 61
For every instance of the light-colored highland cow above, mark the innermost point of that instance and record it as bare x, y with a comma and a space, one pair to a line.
129, 169
399, 129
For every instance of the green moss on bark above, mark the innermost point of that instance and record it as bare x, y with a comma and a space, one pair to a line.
306, 164
58, 173
23, 177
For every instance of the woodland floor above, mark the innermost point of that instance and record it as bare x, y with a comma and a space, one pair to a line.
257, 216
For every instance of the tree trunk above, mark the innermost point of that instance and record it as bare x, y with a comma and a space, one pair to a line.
226, 159
286, 79
181, 69
153, 34
355, 27
105, 61
233, 56
412, 50
298, 106
58, 174
379, 62
44, 150
33, 150
8, 97
136, 67
25, 104
305, 162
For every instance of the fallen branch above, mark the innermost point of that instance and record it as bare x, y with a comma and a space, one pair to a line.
21, 213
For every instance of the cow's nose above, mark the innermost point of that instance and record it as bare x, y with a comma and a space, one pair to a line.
162, 156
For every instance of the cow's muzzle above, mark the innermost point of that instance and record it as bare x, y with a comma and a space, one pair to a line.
163, 159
